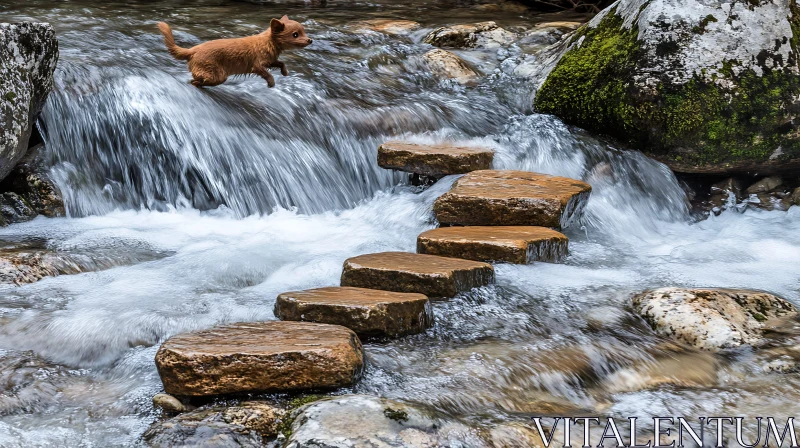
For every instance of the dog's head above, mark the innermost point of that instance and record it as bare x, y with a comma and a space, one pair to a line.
289, 34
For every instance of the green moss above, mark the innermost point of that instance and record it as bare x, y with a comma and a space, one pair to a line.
398, 416
592, 87
759, 317
10, 96
285, 427
701, 28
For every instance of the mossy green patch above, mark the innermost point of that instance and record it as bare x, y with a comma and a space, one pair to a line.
399, 416
285, 427
697, 123
10, 96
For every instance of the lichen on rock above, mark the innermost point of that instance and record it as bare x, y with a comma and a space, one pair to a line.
702, 86
28, 55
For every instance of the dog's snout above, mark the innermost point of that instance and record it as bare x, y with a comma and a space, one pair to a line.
309, 41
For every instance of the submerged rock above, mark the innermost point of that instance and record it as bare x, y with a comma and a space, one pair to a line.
168, 404
707, 87
28, 55
388, 26
711, 319
355, 421
680, 370
446, 65
29, 192
368, 312
512, 198
247, 424
509, 244
260, 357
408, 272
479, 35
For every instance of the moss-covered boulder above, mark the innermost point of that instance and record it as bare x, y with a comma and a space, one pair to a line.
703, 86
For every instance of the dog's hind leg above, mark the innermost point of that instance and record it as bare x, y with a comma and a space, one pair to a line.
282, 66
205, 77
264, 73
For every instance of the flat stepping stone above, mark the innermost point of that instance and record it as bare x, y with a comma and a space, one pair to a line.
260, 357
368, 312
433, 160
409, 272
509, 244
512, 198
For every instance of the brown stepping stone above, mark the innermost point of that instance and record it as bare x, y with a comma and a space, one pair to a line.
408, 272
433, 160
260, 357
509, 244
512, 198
368, 312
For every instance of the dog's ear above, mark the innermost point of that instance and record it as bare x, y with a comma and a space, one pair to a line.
276, 25
285, 19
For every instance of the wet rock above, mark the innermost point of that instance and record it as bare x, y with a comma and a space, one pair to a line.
168, 404
368, 312
560, 24
674, 77
727, 187
509, 244
515, 435
260, 357
479, 35
796, 196
354, 421
433, 160
29, 192
512, 198
681, 370
765, 185
28, 55
770, 201
711, 319
247, 424
389, 26
446, 65
407, 272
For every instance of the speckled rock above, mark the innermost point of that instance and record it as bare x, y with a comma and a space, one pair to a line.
168, 404
433, 160
28, 55
509, 244
705, 87
368, 312
479, 35
446, 65
765, 185
512, 198
260, 357
711, 319
360, 421
424, 274
248, 424
388, 26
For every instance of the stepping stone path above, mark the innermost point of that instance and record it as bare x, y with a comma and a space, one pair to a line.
384, 294
408, 272
508, 244
433, 160
260, 357
368, 312
512, 198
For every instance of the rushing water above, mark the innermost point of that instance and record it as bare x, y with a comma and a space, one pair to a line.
231, 195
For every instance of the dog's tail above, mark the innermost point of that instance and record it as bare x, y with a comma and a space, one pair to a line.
177, 52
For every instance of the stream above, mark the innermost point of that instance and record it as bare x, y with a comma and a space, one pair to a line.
206, 204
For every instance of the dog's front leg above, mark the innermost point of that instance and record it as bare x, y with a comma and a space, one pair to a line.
264, 73
282, 66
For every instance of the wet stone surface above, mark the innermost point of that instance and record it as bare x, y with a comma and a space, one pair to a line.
509, 244
433, 160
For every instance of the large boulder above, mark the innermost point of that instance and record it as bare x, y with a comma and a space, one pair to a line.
28, 55
704, 86
711, 319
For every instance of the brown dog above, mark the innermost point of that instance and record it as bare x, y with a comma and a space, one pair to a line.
212, 62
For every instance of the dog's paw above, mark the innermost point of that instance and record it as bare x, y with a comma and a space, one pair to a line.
271, 83
284, 72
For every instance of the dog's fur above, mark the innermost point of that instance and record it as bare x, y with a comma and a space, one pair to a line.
212, 62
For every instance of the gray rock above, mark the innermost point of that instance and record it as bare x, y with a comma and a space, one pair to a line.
28, 55
765, 185
446, 65
479, 35
29, 191
796, 196
353, 421
245, 425
711, 319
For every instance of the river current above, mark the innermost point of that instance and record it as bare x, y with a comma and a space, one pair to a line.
232, 195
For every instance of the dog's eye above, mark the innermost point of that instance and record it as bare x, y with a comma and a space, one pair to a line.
295, 35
